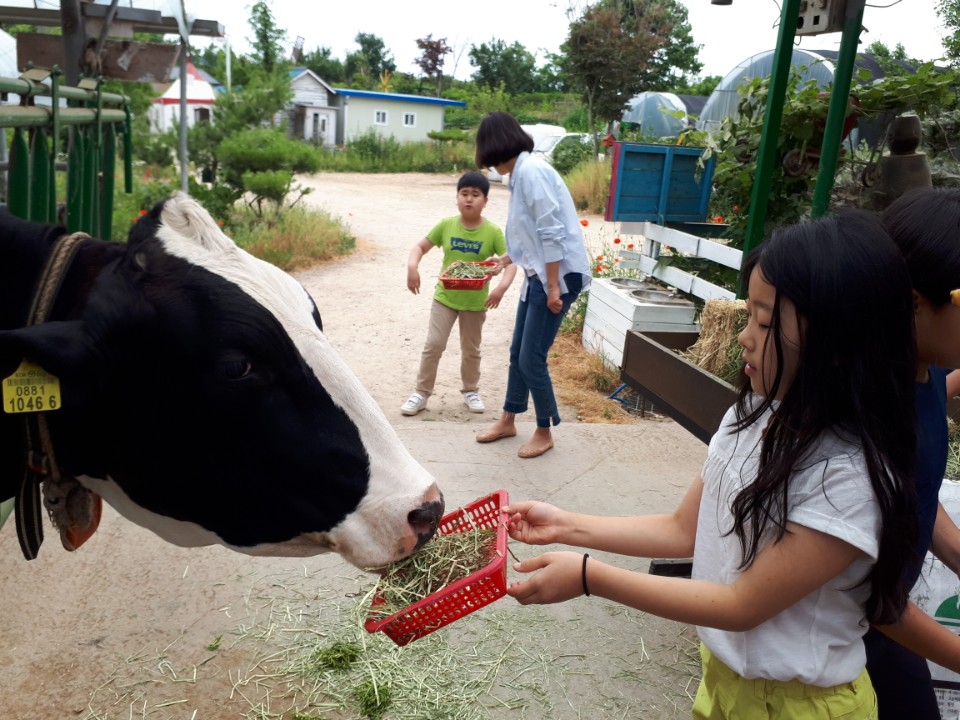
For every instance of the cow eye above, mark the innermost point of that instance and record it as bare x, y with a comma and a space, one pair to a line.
234, 368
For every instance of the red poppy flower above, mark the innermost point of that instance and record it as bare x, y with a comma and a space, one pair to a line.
718, 219
584, 222
599, 268
616, 241
630, 246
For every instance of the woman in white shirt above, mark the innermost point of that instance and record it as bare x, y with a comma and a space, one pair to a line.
545, 240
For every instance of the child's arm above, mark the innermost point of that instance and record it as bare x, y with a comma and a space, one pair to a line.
953, 383
781, 575
920, 633
673, 535
946, 540
413, 264
496, 295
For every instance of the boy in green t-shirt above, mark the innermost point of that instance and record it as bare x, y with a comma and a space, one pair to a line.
467, 237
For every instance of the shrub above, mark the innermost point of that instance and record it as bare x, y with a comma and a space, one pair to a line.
294, 239
567, 155
589, 185
263, 161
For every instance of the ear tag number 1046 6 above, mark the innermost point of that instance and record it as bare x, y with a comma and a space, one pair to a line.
30, 389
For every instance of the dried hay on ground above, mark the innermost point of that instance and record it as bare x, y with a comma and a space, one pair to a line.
580, 378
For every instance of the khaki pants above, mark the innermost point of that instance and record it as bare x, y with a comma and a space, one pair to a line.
442, 319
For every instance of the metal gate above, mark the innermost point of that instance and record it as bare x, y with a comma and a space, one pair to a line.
93, 119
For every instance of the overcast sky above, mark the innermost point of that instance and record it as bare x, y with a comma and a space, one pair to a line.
728, 34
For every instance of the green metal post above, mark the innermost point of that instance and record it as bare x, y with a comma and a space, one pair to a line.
55, 78
96, 156
89, 179
127, 151
18, 194
767, 153
75, 180
40, 180
839, 101
106, 190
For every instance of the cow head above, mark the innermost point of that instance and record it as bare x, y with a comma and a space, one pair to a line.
202, 400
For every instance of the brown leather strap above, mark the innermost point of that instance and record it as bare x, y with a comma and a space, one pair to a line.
39, 447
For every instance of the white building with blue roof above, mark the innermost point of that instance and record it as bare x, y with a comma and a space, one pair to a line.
329, 116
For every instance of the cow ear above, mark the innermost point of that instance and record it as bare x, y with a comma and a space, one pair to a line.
189, 219
58, 347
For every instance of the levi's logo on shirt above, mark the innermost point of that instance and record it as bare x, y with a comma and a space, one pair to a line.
466, 246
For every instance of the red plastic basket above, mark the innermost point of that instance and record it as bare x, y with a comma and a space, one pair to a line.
467, 283
464, 596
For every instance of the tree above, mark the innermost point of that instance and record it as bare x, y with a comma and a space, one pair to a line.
697, 86
431, 59
668, 20
373, 57
267, 49
608, 58
893, 62
321, 62
251, 106
262, 162
949, 12
512, 67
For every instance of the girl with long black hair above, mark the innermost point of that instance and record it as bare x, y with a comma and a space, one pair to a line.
803, 517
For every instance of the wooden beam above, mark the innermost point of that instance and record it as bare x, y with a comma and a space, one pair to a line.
121, 59
146, 21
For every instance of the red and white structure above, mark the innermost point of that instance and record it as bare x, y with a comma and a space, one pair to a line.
165, 112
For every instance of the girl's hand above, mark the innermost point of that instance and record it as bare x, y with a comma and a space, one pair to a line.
554, 303
534, 523
558, 579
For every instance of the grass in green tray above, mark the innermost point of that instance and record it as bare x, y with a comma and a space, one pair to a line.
442, 562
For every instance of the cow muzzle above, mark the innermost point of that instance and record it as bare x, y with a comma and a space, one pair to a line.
424, 521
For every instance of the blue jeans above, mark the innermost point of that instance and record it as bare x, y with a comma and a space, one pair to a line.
533, 334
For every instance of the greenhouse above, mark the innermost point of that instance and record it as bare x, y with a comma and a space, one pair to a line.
817, 65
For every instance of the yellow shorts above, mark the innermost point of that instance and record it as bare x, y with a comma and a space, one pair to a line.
724, 695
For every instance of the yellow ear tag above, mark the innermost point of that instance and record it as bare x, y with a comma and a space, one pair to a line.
31, 389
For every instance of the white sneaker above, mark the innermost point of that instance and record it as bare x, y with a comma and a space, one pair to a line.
473, 401
414, 404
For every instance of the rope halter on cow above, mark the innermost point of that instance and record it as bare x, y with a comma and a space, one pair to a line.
68, 503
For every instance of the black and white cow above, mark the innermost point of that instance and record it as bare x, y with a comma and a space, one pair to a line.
201, 399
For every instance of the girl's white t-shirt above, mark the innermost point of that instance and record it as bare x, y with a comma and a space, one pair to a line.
817, 641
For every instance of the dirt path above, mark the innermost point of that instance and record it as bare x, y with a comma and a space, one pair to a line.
130, 627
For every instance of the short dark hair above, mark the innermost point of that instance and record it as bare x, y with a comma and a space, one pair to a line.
475, 180
925, 225
499, 139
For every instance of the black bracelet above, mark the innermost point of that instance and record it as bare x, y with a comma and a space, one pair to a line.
583, 575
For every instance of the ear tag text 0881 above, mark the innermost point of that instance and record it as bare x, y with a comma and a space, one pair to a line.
31, 389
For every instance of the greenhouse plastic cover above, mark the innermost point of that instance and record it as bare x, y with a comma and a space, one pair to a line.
723, 100
645, 110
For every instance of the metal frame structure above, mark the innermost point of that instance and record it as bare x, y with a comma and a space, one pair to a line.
93, 125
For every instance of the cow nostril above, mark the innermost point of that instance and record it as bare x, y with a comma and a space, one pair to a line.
424, 520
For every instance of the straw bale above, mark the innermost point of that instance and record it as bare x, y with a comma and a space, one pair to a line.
716, 350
